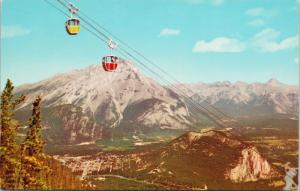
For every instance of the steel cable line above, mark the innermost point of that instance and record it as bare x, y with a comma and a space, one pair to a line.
135, 51
52, 5
146, 71
92, 32
149, 61
175, 89
191, 102
107, 37
81, 18
214, 118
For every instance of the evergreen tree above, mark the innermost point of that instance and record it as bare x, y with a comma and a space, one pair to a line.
25, 166
34, 168
9, 160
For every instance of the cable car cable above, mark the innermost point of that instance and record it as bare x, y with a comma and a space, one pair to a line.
81, 18
191, 101
125, 50
148, 60
123, 43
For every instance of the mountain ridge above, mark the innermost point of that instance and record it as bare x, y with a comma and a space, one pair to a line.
242, 99
86, 103
106, 100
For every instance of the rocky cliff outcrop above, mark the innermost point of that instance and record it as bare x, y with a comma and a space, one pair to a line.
250, 166
240, 161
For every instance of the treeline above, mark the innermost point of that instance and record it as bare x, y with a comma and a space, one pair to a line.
25, 166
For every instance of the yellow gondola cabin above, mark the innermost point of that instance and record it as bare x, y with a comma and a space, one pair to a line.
72, 26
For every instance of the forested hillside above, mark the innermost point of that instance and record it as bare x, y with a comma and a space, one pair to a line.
24, 165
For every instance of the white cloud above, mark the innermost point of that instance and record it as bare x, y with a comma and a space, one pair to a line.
267, 41
258, 11
213, 2
257, 23
261, 12
267, 34
298, 1
220, 44
13, 31
169, 32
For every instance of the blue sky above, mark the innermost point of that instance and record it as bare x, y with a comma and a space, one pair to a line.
194, 40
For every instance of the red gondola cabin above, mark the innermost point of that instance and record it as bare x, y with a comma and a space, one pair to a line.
110, 63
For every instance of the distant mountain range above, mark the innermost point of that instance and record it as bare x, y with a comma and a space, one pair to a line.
82, 105
243, 99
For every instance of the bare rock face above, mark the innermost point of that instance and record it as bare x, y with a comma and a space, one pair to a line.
108, 99
250, 167
78, 127
236, 160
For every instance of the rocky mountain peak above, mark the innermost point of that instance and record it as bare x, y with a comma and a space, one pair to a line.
191, 139
110, 99
274, 82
